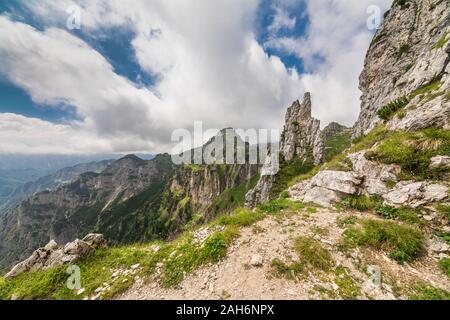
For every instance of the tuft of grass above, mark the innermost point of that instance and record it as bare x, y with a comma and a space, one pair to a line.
405, 214
312, 254
290, 271
404, 243
433, 86
276, 206
444, 210
413, 152
442, 41
362, 203
347, 221
348, 288
241, 218
387, 111
445, 266
425, 292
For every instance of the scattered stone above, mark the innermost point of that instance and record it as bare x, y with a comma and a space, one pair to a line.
256, 260
135, 266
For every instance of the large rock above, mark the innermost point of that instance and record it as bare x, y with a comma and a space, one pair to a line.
416, 194
326, 188
52, 255
375, 174
340, 181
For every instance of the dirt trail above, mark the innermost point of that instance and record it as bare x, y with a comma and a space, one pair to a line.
241, 276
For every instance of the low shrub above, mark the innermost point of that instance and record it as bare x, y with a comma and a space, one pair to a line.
403, 243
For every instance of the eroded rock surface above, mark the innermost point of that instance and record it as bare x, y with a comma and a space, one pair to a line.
53, 255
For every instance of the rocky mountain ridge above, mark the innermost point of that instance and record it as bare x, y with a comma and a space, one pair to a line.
52, 182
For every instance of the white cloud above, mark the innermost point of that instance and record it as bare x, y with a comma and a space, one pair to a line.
281, 20
209, 63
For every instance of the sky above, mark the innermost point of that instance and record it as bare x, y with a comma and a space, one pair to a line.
131, 72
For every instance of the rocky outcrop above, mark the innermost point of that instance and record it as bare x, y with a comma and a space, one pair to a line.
301, 134
416, 194
440, 162
368, 178
53, 255
410, 51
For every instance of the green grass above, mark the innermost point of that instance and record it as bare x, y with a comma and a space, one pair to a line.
362, 203
387, 111
444, 210
343, 222
289, 271
313, 255
426, 89
289, 171
413, 152
403, 243
348, 288
429, 293
442, 41
241, 218
405, 214
178, 258
337, 145
233, 198
445, 266
275, 206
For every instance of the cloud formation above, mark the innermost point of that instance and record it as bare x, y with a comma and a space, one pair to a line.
209, 65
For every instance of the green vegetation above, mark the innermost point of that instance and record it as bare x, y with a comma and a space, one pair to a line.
426, 89
413, 152
312, 254
404, 243
424, 292
375, 203
444, 210
343, 222
404, 49
241, 218
405, 214
388, 111
290, 271
402, 3
289, 171
362, 203
276, 206
442, 41
174, 259
348, 288
234, 197
445, 266
336, 145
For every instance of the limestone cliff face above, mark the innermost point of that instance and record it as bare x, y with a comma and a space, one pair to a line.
301, 133
409, 57
301, 141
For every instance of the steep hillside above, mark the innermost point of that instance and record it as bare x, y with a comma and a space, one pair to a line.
51, 182
93, 202
406, 72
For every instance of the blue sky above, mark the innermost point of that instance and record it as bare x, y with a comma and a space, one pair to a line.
134, 73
